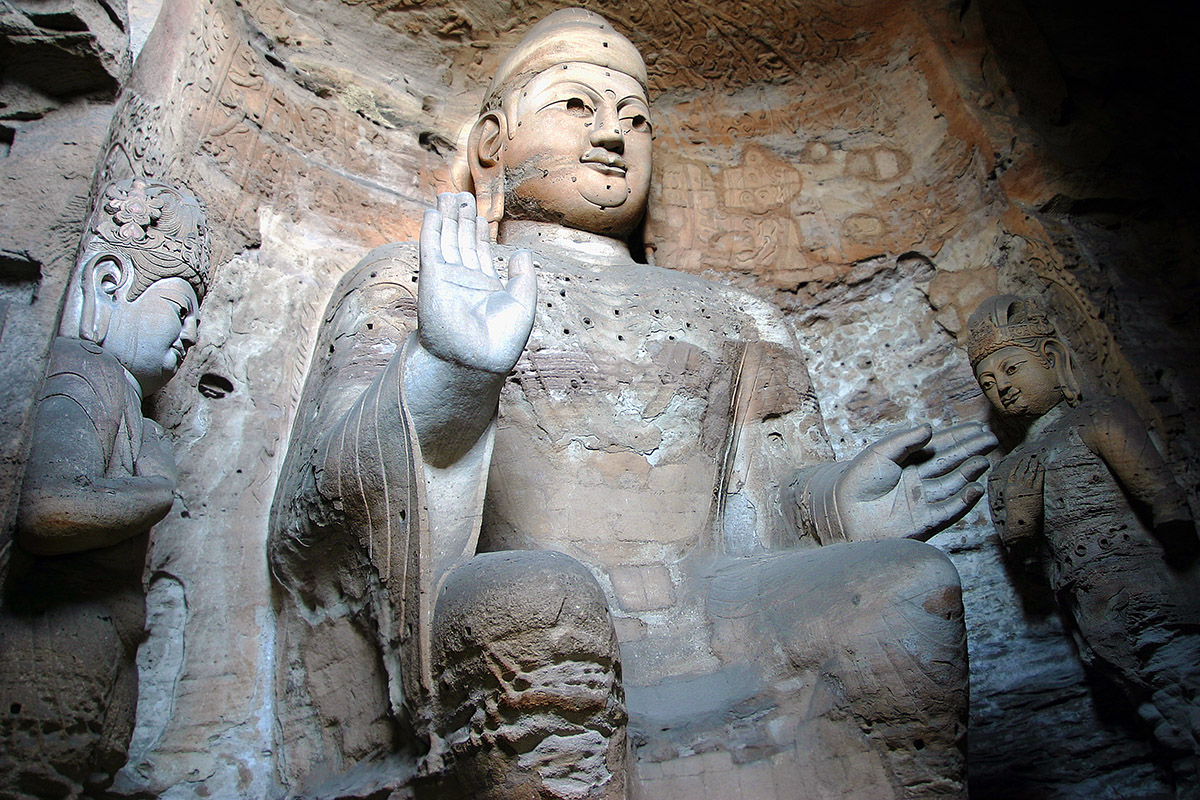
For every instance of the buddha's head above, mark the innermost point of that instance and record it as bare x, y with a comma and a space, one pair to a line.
1022, 367
141, 274
564, 132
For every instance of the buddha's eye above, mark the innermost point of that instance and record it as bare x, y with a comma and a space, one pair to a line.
1011, 369
576, 107
181, 309
986, 384
637, 122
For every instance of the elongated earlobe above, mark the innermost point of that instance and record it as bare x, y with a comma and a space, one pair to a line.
1058, 355
102, 279
484, 149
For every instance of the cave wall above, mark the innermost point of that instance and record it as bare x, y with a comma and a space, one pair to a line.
874, 168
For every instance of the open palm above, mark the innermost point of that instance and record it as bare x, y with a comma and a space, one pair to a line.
913, 483
466, 314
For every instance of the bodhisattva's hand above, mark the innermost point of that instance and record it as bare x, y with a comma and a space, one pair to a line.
913, 483
1023, 502
465, 314
156, 457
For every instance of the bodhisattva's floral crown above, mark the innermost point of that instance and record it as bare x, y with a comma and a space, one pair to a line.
156, 227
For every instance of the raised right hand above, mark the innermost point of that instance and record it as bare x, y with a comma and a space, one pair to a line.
1023, 501
465, 314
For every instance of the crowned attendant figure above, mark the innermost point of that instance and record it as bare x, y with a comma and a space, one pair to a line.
1087, 493
99, 476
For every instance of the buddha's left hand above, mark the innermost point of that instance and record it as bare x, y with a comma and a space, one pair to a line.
911, 484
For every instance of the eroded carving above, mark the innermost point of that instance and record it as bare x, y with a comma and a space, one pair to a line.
99, 476
651, 425
1087, 497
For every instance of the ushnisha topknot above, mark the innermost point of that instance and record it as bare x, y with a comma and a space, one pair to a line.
160, 228
1006, 320
567, 35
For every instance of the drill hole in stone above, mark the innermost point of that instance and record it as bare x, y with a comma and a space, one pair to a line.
214, 386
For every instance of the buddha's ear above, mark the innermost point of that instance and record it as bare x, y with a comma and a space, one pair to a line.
1059, 357
101, 282
484, 150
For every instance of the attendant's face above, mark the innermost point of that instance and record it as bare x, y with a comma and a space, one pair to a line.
1018, 383
151, 335
578, 151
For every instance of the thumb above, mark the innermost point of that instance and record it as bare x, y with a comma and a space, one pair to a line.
901, 445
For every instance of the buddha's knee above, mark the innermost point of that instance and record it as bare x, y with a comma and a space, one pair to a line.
881, 613
527, 609
910, 605
914, 573
528, 679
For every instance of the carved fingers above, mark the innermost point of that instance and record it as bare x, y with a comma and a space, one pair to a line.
900, 446
522, 280
466, 314
951, 448
948, 468
931, 517
1027, 475
913, 483
1023, 502
945, 486
450, 238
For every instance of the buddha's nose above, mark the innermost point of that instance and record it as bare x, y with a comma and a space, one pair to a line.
606, 130
187, 335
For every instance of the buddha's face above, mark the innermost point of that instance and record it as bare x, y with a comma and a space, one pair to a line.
1018, 383
151, 334
578, 151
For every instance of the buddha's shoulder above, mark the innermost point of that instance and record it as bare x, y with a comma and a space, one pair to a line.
72, 358
396, 260
662, 291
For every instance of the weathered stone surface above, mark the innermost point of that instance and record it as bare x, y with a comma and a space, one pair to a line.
60, 64
65, 48
319, 130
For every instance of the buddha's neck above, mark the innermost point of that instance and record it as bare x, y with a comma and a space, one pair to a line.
584, 245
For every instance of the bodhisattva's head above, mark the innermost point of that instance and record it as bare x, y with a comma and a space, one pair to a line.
1022, 367
141, 274
564, 132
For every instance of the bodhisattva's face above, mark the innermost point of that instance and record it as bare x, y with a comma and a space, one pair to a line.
579, 150
151, 335
1018, 383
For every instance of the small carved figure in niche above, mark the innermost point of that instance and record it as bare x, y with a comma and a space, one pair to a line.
1088, 493
644, 465
99, 476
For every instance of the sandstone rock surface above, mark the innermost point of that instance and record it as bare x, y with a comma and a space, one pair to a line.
864, 166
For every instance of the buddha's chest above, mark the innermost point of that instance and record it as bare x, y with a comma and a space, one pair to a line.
613, 426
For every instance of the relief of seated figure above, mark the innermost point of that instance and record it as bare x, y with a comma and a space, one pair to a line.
551, 525
1087, 493
99, 476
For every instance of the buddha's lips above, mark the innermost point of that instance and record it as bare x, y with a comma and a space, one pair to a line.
605, 161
